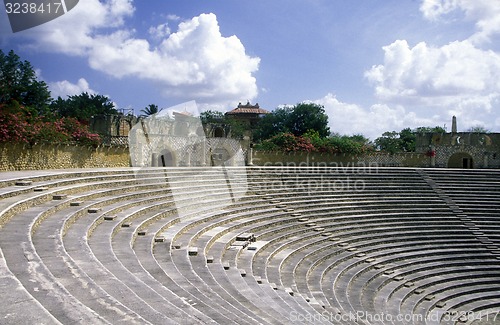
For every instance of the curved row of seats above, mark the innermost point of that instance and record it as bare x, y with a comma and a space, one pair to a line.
250, 245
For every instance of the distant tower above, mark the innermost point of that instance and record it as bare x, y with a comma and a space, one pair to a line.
454, 125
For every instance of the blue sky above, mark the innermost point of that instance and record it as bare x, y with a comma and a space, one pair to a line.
375, 65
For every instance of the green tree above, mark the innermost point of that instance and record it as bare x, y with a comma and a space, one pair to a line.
149, 110
389, 141
298, 120
478, 129
308, 116
427, 129
272, 124
18, 82
83, 106
212, 117
405, 140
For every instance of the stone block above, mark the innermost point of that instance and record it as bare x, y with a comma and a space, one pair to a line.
193, 251
93, 210
126, 224
440, 304
141, 233
247, 236
59, 196
76, 203
109, 218
159, 239
24, 183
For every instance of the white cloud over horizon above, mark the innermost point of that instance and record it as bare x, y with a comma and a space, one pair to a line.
350, 119
194, 62
65, 88
456, 75
460, 78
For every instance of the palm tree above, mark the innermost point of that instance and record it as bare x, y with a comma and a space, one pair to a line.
149, 110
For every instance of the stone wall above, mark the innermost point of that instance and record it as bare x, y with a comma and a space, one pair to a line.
38, 157
263, 158
448, 148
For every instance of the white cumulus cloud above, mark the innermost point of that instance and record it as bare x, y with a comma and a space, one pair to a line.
74, 32
66, 88
194, 62
346, 118
484, 13
455, 75
159, 32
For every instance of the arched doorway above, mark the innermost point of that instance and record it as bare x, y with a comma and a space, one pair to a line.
219, 132
460, 160
166, 159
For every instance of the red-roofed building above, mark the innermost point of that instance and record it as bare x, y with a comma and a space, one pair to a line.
248, 112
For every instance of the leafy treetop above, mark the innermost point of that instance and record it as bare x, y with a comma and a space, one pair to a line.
296, 120
83, 106
18, 82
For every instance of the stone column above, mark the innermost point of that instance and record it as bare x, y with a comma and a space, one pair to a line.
250, 154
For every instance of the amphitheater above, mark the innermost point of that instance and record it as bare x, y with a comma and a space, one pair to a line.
250, 245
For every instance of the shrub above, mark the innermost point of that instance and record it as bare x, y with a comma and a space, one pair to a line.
19, 125
286, 142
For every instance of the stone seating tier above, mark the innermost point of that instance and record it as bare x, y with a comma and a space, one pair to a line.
269, 245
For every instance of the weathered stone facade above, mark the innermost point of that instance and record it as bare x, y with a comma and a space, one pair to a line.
461, 149
160, 141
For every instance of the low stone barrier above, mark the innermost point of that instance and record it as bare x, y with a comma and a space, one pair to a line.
50, 156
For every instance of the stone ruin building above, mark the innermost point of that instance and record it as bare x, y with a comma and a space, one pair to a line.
460, 149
